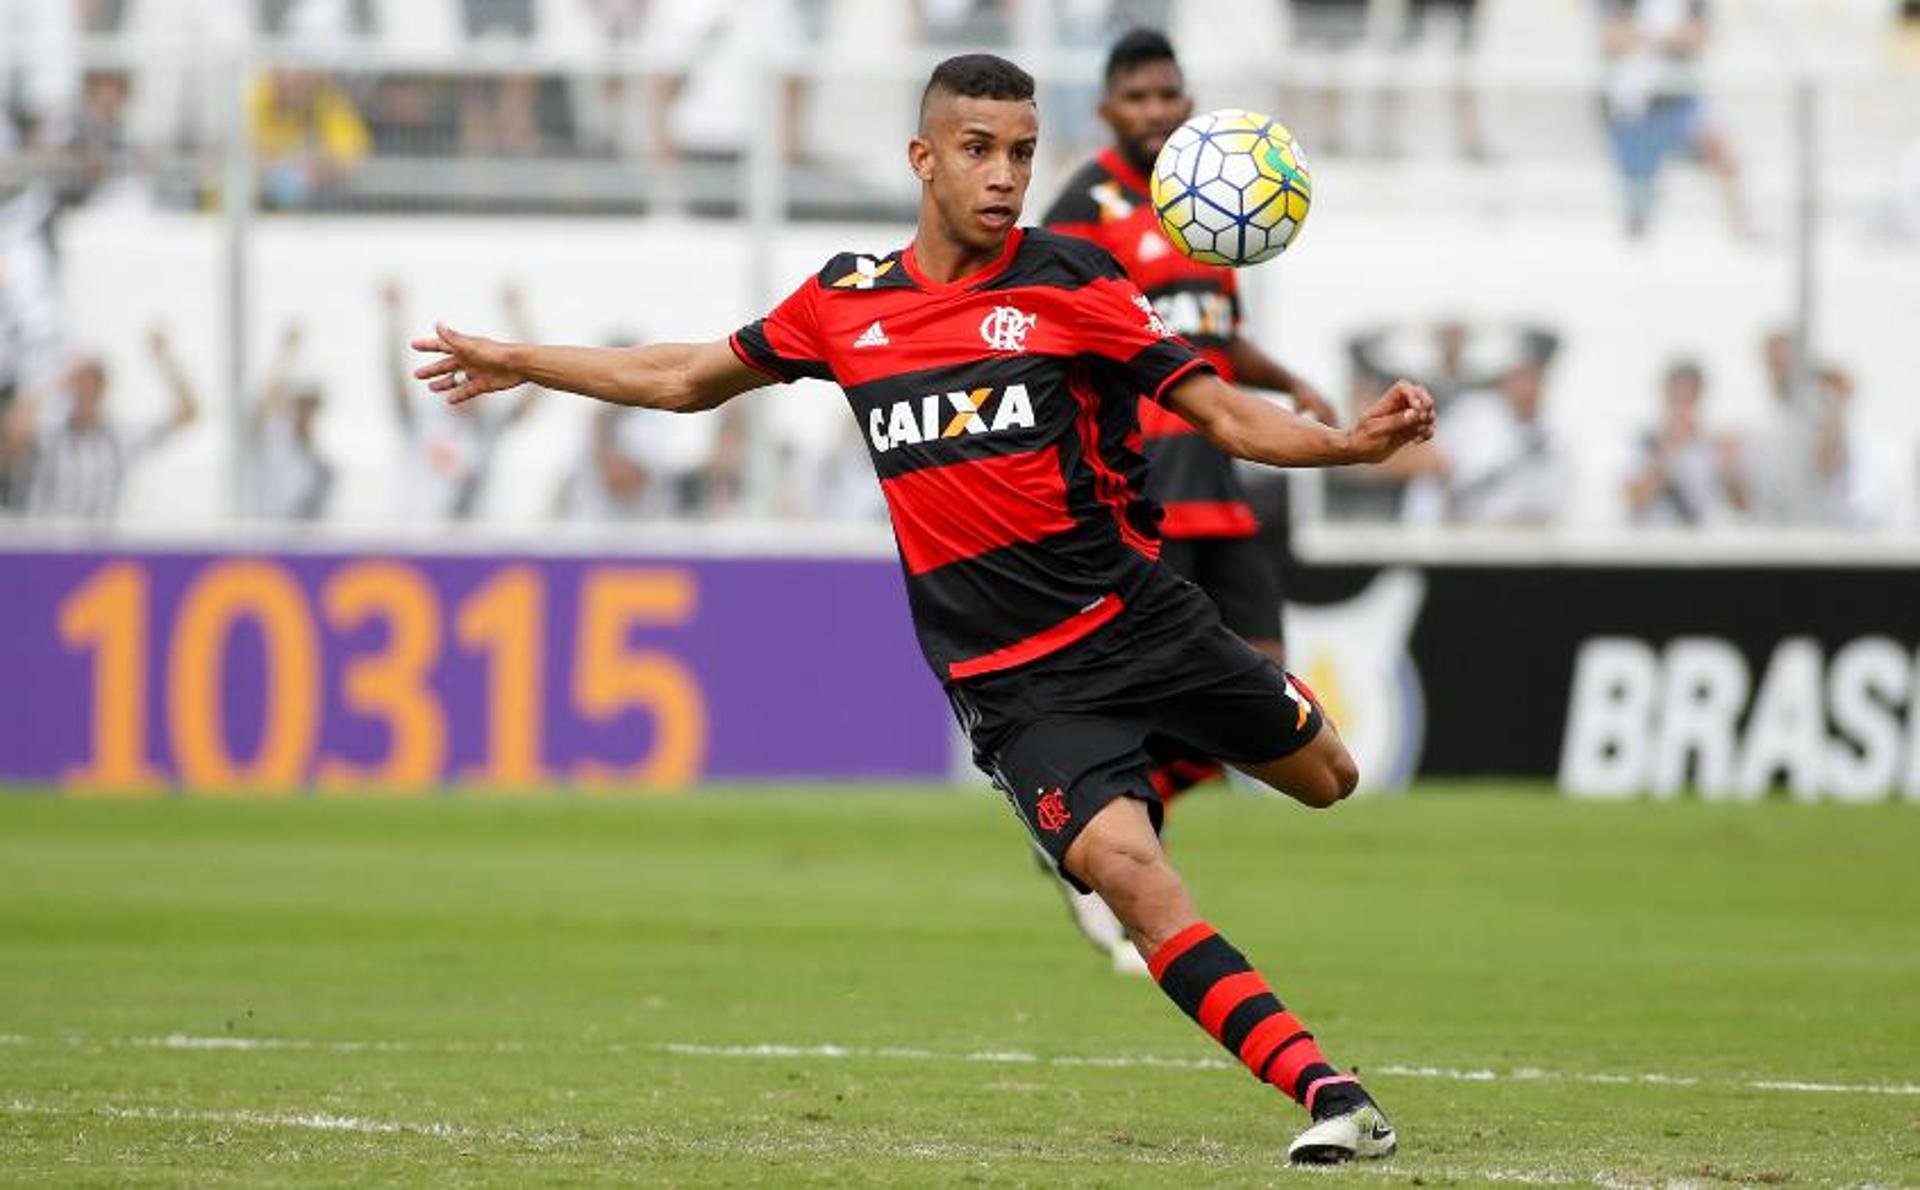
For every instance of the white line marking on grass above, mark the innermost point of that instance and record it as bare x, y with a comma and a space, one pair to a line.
182, 1041
312, 1121
1521, 1074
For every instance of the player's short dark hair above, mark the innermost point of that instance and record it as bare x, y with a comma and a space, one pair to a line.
977, 76
1138, 47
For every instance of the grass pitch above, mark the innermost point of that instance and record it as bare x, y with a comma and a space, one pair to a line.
808, 987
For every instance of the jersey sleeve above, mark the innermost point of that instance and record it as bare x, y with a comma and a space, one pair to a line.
1117, 324
787, 344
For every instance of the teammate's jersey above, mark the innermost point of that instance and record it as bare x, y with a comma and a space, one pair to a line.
1000, 413
1107, 201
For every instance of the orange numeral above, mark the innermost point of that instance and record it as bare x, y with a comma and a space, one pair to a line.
395, 684
608, 677
108, 614
505, 619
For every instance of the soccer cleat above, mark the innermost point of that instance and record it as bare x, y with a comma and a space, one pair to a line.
1363, 1132
1127, 959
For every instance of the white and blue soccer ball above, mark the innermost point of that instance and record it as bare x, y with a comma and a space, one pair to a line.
1231, 188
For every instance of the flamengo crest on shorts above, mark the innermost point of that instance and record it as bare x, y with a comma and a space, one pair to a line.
1050, 813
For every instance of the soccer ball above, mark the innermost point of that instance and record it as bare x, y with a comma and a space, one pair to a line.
1231, 188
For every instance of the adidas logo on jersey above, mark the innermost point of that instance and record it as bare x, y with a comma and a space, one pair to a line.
949, 415
873, 336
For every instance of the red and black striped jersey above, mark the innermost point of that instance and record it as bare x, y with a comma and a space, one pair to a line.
1107, 201
1000, 413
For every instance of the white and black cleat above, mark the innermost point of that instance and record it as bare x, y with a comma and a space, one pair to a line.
1365, 1133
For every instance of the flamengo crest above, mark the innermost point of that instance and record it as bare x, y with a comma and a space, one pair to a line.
1051, 811
1006, 328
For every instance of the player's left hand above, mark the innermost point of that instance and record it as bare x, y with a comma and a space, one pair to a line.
469, 365
1400, 418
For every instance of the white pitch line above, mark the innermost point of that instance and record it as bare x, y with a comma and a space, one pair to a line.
312, 1121
182, 1041
1522, 1074
756, 1147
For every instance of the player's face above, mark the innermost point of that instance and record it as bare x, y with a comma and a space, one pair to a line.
1143, 106
975, 157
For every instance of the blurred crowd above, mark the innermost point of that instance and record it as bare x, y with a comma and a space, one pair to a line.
126, 100
1498, 460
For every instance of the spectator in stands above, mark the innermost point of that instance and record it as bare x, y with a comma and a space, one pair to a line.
1459, 19
1446, 355
290, 479
646, 465
1654, 106
1328, 29
1848, 490
1339, 25
31, 331
1809, 464
1780, 449
609, 485
1494, 459
609, 110
499, 112
1681, 474
39, 74
450, 448
835, 485
640, 464
308, 135
103, 153
76, 455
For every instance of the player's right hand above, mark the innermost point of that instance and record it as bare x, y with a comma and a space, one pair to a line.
468, 366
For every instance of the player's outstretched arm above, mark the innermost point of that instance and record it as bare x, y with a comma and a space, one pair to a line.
1250, 428
680, 377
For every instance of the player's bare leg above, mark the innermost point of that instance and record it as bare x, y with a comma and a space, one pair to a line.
1118, 855
1318, 775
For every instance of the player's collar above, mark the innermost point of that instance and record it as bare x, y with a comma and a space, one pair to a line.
910, 261
1115, 162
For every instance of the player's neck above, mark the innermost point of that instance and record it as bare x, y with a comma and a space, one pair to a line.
942, 259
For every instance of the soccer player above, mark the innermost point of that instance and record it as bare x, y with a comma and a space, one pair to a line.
1208, 530
993, 372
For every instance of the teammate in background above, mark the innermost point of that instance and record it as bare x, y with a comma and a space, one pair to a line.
453, 448
76, 463
995, 372
1208, 527
1210, 532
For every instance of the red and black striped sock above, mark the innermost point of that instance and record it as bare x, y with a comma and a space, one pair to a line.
1215, 985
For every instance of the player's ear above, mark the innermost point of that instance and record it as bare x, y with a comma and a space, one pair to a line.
920, 158
1186, 108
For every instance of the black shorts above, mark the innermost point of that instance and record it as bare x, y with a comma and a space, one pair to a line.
1238, 574
1079, 728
